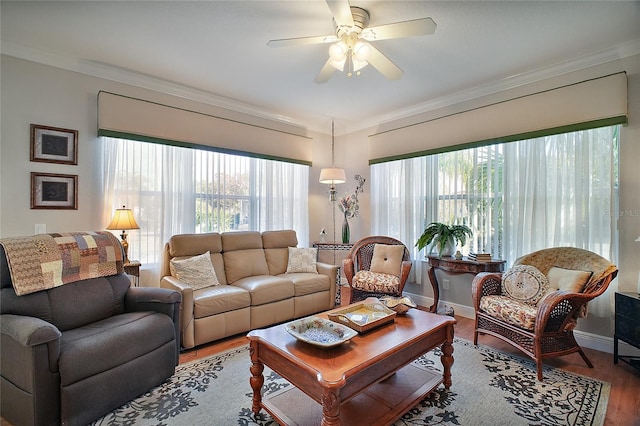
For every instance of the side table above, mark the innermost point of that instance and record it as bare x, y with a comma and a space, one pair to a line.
132, 268
335, 246
627, 326
457, 266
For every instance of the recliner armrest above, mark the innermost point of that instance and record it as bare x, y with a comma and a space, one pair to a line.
28, 333
156, 299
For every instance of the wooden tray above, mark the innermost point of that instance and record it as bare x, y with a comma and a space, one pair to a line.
363, 316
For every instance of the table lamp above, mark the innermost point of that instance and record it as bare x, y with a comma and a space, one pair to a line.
123, 220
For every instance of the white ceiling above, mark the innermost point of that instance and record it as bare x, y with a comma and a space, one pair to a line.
216, 51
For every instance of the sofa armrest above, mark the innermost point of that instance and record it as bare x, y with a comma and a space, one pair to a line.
186, 308
155, 299
330, 271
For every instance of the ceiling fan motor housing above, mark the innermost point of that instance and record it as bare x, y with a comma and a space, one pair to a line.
360, 22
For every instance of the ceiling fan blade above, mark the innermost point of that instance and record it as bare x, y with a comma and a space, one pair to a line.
384, 64
341, 12
286, 42
416, 27
325, 73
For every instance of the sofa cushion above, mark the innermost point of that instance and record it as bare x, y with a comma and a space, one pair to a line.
219, 299
276, 249
266, 288
196, 271
568, 279
376, 282
525, 283
302, 260
89, 350
244, 263
306, 283
194, 244
279, 239
387, 259
512, 311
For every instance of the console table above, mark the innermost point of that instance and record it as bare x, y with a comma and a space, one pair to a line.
458, 266
334, 246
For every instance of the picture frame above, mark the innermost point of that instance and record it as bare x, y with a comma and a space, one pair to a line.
54, 191
54, 145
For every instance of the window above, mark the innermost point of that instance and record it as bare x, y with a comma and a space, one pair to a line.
174, 190
517, 197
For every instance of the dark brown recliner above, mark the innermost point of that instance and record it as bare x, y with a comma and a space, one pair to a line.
73, 353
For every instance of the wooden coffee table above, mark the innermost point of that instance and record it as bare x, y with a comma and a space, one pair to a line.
368, 380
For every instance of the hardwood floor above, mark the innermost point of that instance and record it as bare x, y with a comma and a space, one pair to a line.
624, 399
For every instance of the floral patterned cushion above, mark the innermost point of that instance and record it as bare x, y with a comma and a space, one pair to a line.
376, 282
525, 283
514, 312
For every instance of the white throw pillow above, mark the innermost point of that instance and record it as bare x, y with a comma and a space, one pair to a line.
196, 271
525, 283
302, 260
568, 279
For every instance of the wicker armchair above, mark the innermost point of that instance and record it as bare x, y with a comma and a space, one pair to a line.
543, 329
367, 283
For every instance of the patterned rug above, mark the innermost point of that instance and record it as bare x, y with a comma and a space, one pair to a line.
489, 388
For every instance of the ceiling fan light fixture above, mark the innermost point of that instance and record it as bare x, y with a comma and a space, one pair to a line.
338, 54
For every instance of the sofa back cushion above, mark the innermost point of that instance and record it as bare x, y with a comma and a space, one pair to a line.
243, 255
276, 249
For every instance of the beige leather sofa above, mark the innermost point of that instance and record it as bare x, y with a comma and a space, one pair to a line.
255, 289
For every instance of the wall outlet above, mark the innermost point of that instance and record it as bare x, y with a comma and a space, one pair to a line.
445, 284
41, 228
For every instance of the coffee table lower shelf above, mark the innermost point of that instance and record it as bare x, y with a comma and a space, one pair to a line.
381, 404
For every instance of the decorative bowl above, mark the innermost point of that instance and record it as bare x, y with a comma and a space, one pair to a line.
320, 332
399, 304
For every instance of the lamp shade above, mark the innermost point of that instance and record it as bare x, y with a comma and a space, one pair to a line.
123, 219
332, 176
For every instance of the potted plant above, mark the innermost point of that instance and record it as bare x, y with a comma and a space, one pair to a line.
444, 235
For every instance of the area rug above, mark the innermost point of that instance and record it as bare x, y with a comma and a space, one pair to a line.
489, 388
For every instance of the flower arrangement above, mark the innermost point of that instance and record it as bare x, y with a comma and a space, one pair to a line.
348, 204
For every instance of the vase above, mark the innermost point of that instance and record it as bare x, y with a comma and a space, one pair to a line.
346, 232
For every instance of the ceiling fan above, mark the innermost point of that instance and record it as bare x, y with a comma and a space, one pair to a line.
351, 48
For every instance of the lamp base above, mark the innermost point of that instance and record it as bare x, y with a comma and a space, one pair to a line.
125, 247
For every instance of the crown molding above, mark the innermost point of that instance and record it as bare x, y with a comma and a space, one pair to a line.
120, 75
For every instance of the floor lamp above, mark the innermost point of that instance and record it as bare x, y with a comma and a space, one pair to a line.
332, 176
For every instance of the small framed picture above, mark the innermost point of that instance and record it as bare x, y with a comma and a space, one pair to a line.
54, 191
54, 145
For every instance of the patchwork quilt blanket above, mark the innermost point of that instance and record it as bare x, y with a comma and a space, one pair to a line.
44, 261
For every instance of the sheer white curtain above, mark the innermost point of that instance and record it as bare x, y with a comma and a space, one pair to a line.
517, 197
561, 190
174, 190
